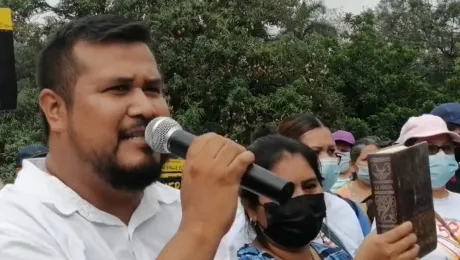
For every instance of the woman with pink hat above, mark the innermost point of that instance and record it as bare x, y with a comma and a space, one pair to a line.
344, 141
441, 144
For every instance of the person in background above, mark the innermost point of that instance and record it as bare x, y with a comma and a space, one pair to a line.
441, 142
359, 190
382, 143
30, 152
344, 141
287, 231
345, 224
450, 113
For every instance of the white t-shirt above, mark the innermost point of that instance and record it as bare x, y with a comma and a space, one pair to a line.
449, 209
340, 218
43, 219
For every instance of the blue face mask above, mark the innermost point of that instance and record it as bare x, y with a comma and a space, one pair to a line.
442, 169
330, 172
339, 184
344, 162
363, 174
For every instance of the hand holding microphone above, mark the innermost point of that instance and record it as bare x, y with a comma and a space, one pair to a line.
215, 168
210, 182
164, 135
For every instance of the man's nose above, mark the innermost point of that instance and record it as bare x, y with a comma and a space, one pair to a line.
142, 105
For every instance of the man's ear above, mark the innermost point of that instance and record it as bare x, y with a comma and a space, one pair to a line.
54, 109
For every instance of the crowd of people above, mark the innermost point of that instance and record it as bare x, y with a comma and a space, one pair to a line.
93, 193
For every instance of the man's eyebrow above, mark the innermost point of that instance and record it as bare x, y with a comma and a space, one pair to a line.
121, 80
153, 82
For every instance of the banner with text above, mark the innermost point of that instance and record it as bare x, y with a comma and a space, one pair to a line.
171, 174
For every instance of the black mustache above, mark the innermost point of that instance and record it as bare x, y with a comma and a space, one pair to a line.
135, 130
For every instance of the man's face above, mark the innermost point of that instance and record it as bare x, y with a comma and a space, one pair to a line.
117, 93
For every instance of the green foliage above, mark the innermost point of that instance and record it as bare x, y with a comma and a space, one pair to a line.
232, 65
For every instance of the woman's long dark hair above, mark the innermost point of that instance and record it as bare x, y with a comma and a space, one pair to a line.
297, 125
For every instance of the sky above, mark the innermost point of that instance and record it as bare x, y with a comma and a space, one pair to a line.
351, 6
348, 6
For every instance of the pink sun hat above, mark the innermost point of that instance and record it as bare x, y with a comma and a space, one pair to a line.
344, 136
425, 126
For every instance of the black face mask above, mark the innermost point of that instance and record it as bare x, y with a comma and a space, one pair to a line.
296, 223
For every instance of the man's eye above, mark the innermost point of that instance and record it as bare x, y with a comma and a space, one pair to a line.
120, 88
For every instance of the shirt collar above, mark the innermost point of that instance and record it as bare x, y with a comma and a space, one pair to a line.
34, 180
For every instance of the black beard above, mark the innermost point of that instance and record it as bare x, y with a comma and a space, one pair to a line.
108, 168
132, 179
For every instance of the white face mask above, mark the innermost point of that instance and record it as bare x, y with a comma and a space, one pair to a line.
330, 172
363, 174
344, 162
442, 169
340, 183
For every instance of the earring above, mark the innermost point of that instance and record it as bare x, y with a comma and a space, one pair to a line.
252, 222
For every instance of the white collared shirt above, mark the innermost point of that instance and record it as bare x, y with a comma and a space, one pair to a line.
43, 219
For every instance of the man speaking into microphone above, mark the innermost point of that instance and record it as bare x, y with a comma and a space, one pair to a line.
95, 196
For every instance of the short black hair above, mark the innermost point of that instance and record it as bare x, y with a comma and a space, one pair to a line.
56, 67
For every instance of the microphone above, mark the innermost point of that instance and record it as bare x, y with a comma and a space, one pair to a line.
164, 135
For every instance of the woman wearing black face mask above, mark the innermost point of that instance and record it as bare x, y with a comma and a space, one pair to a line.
287, 232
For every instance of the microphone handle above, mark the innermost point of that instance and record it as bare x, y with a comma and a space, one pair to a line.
179, 141
265, 183
256, 179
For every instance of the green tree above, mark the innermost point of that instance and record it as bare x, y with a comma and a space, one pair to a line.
230, 66
432, 28
22, 127
225, 70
